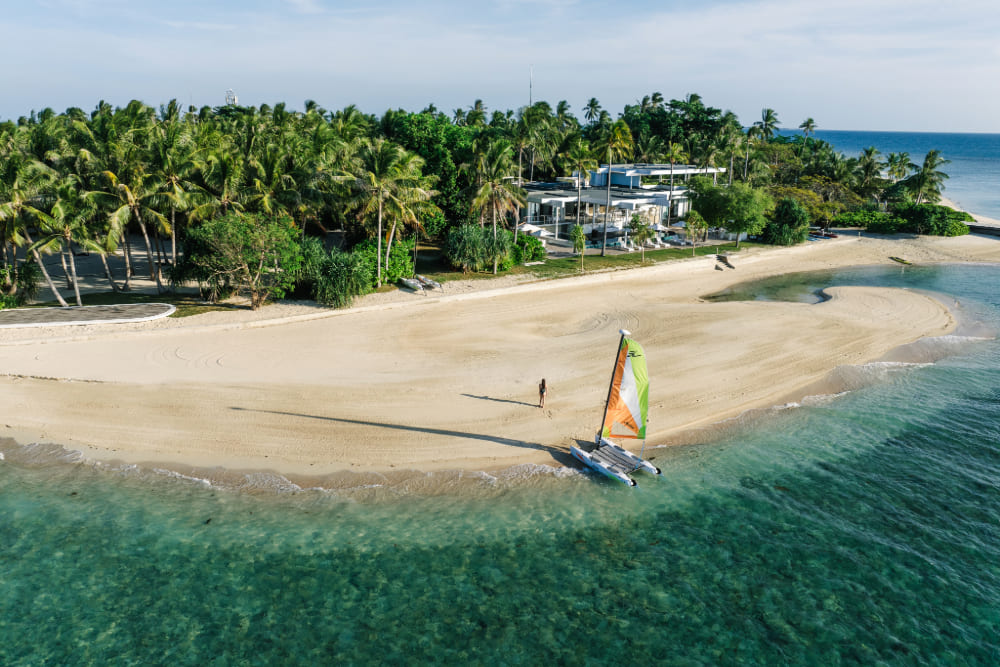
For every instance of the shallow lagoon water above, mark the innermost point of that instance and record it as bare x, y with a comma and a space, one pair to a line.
860, 528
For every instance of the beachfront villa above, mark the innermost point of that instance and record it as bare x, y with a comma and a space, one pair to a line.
643, 189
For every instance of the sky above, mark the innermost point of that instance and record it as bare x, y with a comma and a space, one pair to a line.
912, 65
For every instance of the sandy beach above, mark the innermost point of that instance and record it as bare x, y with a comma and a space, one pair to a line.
449, 382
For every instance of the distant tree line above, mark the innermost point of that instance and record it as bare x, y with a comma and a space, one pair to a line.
203, 189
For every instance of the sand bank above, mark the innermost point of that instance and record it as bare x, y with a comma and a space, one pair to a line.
450, 382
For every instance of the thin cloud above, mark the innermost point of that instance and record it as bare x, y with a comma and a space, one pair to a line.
306, 6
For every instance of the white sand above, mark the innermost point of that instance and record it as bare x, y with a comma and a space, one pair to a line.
450, 382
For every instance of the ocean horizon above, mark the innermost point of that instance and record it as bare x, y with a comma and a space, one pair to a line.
853, 527
974, 171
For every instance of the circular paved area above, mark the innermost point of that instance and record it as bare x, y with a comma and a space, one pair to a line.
50, 317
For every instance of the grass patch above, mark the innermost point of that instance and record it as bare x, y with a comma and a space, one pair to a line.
431, 263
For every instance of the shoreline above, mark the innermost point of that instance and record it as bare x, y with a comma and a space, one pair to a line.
981, 219
245, 396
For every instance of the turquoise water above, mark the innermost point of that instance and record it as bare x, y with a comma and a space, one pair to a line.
974, 171
861, 528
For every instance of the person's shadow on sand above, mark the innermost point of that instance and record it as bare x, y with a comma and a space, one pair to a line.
501, 400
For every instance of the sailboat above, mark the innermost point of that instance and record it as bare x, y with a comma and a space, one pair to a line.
625, 416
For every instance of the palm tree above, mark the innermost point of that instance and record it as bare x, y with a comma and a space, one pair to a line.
928, 182
565, 120
387, 180
592, 110
66, 224
675, 153
136, 201
649, 148
542, 135
413, 200
18, 193
869, 171
768, 123
728, 139
808, 126
899, 166
476, 117
520, 138
173, 165
497, 193
349, 124
578, 159
641, 232
615, 144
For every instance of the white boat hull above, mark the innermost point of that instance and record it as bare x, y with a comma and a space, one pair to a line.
613, 461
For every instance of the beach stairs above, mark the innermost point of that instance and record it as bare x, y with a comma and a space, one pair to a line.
724, 259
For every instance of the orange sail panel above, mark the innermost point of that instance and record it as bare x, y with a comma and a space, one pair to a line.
628, 401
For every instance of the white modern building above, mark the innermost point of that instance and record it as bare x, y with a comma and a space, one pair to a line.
643, 189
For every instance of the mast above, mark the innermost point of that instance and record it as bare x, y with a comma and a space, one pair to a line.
611, 385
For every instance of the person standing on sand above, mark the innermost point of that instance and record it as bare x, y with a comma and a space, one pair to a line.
542, 388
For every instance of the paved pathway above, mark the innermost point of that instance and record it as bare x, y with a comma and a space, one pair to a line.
50, 317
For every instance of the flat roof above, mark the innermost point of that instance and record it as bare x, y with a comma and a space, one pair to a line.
545, 193
658, 169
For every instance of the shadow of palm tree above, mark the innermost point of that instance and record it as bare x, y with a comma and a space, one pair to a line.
562, 457
501, 400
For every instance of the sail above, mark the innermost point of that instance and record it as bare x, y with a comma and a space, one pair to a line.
628, 400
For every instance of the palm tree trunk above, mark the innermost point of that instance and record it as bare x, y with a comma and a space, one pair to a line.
670, 197
72, 267
607, 209
388, 244
579, 198
495, 258
107, 272
173, 236
48, 278
128, 263
154, 269
378, 250
62, 260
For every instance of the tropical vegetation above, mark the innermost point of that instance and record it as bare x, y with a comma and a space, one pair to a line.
335, 200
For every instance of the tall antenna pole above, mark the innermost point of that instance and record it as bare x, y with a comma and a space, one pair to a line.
531, 80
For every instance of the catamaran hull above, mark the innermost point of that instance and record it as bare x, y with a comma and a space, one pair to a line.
613, 461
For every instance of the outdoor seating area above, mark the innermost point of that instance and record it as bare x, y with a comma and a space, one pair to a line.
618, 240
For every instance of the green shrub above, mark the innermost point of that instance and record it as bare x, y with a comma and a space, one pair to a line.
400, 260
956, 228
257, 254
434, 223
887, 223
19, 287
499, 249
465, 249
528, 249
787, 225
473, 248
876, 222
909, 218
858, 218
342, 276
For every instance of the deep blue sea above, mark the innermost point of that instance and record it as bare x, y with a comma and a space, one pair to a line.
857, 528
974, 172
